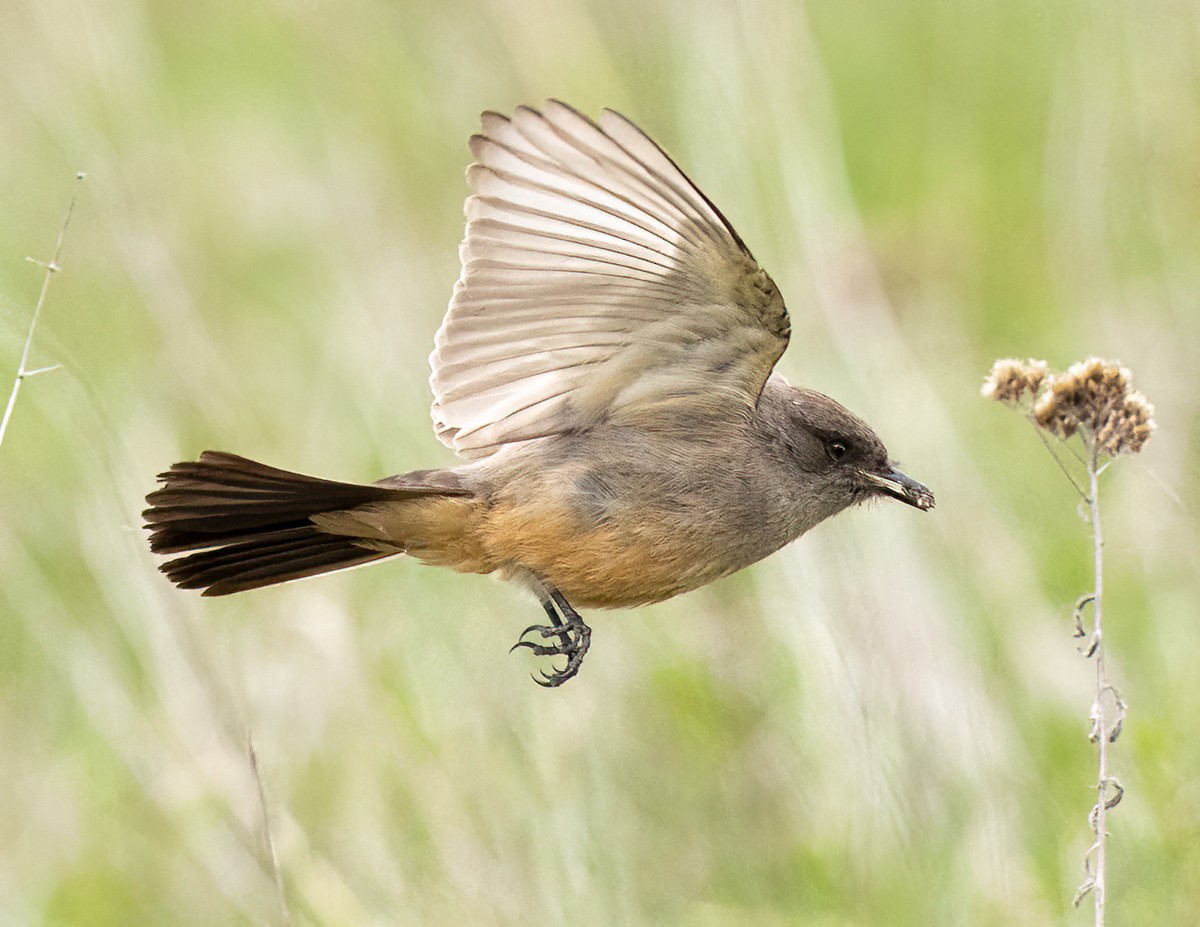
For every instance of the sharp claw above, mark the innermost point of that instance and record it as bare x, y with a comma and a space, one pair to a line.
565, 646
547, 631
552, 680
539, 650
521, 642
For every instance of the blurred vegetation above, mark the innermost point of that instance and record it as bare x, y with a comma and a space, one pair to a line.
883, 724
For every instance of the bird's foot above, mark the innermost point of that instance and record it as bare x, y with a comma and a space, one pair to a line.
573, 639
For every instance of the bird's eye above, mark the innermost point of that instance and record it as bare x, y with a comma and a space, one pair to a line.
837, 450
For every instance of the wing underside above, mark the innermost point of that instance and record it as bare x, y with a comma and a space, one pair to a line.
597, 282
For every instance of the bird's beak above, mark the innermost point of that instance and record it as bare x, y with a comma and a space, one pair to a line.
891, 482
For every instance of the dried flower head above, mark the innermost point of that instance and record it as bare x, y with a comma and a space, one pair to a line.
1010, 379
1095, 397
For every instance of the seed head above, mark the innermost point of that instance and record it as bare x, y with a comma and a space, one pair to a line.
1011, 379
1095, 397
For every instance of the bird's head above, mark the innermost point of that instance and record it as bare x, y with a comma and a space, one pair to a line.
839, 457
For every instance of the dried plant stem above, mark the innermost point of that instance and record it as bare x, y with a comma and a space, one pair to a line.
277, 873
1100, 722
1058, 460
50, 267
1106, 725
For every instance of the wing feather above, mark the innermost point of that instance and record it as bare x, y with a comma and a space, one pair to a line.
597, 283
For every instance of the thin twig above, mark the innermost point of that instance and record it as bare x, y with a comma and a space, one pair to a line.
51, 268
266, 817
1058, 460
1101, 685
1096, 861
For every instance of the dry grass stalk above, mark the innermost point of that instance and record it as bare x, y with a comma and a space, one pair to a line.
50, 268
276, 872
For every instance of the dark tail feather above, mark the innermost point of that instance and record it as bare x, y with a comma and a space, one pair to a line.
251, 523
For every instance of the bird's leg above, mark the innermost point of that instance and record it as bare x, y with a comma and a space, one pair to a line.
574, 637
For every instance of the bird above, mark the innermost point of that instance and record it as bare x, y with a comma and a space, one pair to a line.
606, 374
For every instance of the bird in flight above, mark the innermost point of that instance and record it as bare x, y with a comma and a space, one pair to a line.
606, 373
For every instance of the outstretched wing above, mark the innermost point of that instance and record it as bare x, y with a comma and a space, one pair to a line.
598, 284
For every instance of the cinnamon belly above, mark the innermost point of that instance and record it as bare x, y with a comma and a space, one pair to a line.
597, 564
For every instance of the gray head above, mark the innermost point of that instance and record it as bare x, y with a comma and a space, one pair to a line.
836, 457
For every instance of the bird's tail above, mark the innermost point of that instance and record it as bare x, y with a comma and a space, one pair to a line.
252, 525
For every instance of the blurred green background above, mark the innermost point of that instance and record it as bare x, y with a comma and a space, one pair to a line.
883, 724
